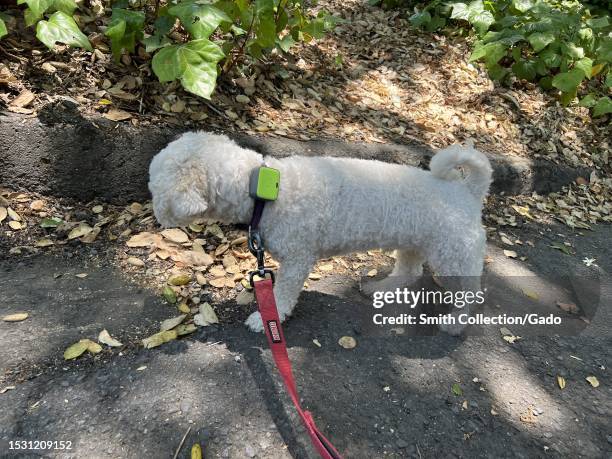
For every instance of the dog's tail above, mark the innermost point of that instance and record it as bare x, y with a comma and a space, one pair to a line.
477, 174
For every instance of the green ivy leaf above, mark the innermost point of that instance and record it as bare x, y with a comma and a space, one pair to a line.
568, 81
200, 20
35, 10
608, 82
550, 58
588, 101
571, 50
124, 30
460, 11
602, 107
61, 28
567, 97
540, 40
586, 65
482, 21
598, 23
193, 63
3, 30
65, 6
286, 43
522, 5
604, 50
525, 70
491, 52
266, 30
420, 19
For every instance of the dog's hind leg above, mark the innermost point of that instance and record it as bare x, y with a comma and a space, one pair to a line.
407, 270
460, 275
289, 283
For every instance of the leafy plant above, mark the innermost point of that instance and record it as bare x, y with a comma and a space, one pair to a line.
125, 30
561, 45
37, 8
3, 30
192, 41
61, 28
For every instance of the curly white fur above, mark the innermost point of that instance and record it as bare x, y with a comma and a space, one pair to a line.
331, 206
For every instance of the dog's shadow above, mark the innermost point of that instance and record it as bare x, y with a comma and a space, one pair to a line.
321, 365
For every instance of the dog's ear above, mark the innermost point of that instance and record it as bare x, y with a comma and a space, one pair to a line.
187, 205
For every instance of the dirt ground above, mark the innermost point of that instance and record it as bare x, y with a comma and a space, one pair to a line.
388, 397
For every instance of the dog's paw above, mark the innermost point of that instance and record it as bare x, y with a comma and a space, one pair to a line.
255, 323
453, 329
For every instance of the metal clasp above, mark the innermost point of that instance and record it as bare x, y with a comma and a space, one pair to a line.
256, 247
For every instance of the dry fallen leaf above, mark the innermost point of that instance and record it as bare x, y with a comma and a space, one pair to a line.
144, 239
169, 295
593, 381
196, 451
81, 275
135, 262
316, 342
510, 253
561, 382
44, 242
169, 324
159, 338
15, 225
528, 417
115, 114
372, 273
530, 294
75, 350
25, 98
207, 316
183, 308
15, 317
6, 389
105, 338
185, 329
347, 342
97, 209
568, 307
179, 279
37, 205
79, 231
13, 215
175, 235
245, 297
3, 213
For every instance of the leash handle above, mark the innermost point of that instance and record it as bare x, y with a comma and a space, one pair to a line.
266, 302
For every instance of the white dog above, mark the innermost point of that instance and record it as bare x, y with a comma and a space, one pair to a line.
332, 206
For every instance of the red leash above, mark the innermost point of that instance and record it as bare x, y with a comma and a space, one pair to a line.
269, 314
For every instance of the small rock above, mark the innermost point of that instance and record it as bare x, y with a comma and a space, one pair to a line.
249, 451
402, 444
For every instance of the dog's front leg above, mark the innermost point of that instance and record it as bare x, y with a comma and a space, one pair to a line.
289, 283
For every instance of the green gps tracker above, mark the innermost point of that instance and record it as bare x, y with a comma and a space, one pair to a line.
264, 183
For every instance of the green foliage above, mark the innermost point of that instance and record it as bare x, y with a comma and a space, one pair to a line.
61, 28
37, 8
193, 63
3, 30
563, 45
193, 41
124, 30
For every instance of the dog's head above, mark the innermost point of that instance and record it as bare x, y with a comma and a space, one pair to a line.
178, 182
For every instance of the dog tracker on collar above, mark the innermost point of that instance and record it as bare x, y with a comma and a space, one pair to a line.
264, 183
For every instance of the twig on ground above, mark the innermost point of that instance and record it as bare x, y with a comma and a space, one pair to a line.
178, 449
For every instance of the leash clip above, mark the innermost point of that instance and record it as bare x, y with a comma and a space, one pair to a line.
256, 247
